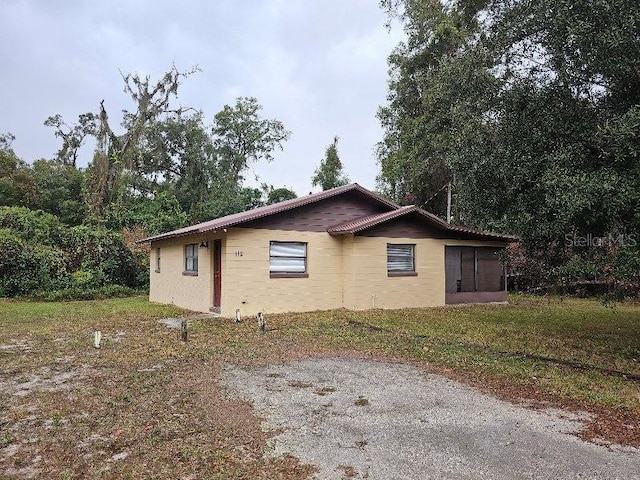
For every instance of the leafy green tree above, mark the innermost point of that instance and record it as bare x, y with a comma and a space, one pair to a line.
156, 214
330, 174
17, 185
231, 200
176, 155
205, 169
163, 158
59, 187
530, 107
242, 137
275, 195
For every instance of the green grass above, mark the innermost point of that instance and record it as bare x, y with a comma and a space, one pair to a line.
23, 316
151, 395
488, 340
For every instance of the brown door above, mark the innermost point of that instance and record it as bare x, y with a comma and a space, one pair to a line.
217, 272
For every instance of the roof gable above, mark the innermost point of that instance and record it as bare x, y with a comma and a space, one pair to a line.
436, 227
319, 216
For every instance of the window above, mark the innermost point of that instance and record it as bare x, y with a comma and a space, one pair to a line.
157, 260
288, 259
401, 259
191, 258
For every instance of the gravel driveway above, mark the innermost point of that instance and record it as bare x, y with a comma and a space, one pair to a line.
356, 418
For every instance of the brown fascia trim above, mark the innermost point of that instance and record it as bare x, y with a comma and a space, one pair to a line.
288, 275
165, 237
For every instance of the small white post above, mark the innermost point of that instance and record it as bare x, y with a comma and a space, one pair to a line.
97, 337
237, 319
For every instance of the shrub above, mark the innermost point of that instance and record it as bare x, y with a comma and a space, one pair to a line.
25, 267
38, 253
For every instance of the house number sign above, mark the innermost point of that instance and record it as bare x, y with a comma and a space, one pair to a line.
238, 253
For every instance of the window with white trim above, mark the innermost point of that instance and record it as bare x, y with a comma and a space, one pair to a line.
157, 260
401, 259
287, 259
191, 258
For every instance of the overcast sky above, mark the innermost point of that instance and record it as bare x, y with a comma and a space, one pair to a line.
319, 66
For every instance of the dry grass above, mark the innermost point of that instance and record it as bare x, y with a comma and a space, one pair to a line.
148, 405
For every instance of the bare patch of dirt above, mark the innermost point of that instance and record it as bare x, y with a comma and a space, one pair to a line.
48, 381
19, 345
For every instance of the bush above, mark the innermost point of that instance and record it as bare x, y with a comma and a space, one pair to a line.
102, 253
38, 253
26, 267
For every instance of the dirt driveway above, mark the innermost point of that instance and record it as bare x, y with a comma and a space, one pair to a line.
358, 418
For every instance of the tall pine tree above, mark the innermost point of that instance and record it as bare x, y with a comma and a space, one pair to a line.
330, 174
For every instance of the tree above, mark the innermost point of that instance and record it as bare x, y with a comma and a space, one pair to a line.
330, 174
116, 153
530, 106
17, 185
241, 137
204, 168
165, 155
59, 187
73, 137
176, 155
275, 195
438, 91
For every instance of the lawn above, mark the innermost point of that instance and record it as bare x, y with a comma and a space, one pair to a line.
147, 404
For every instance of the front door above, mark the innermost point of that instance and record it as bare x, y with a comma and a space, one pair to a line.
217, 273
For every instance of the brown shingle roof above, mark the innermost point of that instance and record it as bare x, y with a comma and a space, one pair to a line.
260, 212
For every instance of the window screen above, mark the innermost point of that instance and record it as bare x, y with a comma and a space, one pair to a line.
191, 257
287, 257
400, 258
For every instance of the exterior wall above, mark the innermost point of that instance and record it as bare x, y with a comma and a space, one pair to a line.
343, 271
171, 286
246, 283
367, 284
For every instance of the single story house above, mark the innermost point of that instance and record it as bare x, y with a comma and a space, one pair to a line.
345, 247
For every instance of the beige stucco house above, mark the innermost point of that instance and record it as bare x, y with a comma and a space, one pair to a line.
346, 247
